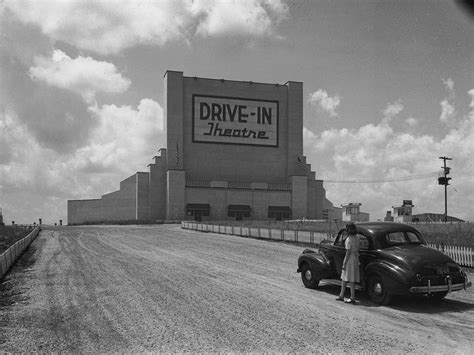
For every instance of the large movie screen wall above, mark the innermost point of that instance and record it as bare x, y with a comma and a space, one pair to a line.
227, 120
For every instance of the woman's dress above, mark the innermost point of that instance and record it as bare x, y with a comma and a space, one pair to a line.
351, 272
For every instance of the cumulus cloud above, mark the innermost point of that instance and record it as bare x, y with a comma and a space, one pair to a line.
247, 17
392, 110
57, 118
448, 110
123, 142
471, 93
124, 136
411, 121
449, 83
56, 143
82, 75
111, 26
25, 164
323, 102
381, 154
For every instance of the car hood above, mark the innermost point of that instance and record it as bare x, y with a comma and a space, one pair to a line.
417, 257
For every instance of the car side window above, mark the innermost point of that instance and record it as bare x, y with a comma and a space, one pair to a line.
413, 238
341, 239
396, 238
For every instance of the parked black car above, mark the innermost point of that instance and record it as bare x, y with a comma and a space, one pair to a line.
394, 260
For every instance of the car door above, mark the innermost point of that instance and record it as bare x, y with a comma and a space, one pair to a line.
339, 251
365, 254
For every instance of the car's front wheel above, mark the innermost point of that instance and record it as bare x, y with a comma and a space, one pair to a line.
308, 277
377, 290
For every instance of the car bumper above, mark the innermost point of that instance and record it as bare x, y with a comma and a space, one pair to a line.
440, 288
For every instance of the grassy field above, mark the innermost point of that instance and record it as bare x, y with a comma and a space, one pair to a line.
10, 235
459, 234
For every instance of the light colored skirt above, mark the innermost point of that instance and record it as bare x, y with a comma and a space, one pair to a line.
351, 273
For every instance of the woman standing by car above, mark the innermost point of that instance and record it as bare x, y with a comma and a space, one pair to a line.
350, 265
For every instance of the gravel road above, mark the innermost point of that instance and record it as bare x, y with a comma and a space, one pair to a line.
163, 289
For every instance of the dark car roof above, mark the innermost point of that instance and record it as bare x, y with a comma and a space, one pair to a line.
377, 227
378, 230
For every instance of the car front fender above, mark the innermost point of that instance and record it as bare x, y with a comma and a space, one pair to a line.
395, 278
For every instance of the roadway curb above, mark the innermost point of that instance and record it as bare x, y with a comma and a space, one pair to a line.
9, 256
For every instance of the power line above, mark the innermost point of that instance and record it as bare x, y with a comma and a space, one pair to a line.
403, 178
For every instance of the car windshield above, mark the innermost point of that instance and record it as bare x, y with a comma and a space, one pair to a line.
398, 238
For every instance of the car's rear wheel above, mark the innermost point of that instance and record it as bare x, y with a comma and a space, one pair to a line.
308, 277
377, 291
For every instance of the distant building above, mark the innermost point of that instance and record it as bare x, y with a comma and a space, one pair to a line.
351, 213
388, 217
1, 219
403, 213
330, 212
233, 151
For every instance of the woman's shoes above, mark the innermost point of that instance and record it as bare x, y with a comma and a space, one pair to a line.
349, 300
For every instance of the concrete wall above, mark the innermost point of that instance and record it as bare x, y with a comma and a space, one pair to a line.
211, 161
175, 195
299, 196
200, 169
142, 198
316, 199
220, 198
173, 117
157, 187
81, 211
129, 203
357, 217
121, 205
294, 127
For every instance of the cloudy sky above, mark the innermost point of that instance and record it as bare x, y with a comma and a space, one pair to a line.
388, 88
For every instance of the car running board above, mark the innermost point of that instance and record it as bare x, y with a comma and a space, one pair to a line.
338, 283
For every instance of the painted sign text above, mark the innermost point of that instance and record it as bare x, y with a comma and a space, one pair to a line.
235, 121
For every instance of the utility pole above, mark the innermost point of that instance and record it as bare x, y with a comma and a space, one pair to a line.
444, 180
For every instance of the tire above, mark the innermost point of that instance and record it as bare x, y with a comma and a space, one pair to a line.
377, 291
308, 277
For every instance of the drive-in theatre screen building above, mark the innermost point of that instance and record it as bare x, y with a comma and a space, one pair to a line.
234, 150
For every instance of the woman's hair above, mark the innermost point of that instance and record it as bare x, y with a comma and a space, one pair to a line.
351, 228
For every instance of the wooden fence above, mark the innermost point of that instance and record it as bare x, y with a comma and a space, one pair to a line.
9, 256
265, 233
462, 255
